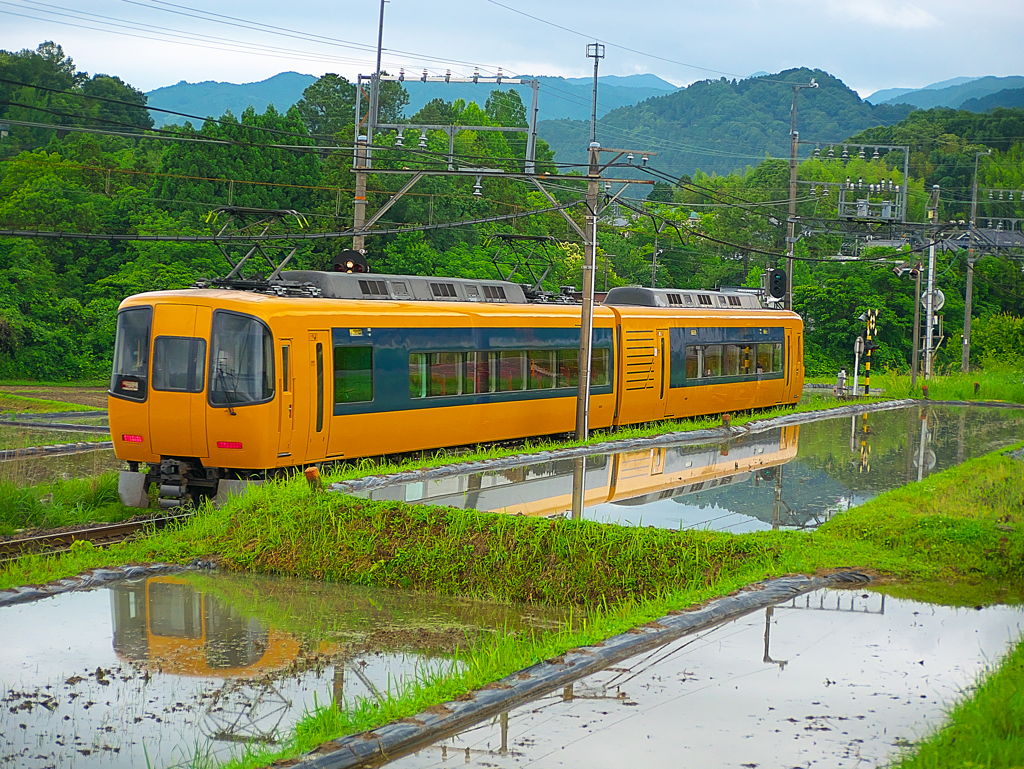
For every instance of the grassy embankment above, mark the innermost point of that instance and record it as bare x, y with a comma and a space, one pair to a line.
965, 521
1005, 386
61, 503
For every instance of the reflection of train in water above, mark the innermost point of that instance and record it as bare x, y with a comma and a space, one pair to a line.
628, 478
167, 622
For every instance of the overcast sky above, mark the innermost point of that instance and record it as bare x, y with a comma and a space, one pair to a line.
869, 44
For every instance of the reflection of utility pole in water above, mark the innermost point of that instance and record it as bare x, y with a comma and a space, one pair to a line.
579, 486
923, 445
961, 426
777, 503
338, 689
910, 444
767, 639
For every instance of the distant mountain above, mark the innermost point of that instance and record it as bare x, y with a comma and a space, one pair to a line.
954, 96
211, 98
1008, 97
887, 94
560, 98
725, 125
627, 81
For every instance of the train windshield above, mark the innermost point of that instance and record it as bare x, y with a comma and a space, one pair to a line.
131, 354
241, 361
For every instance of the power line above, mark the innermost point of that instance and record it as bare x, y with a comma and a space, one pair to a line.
56, 235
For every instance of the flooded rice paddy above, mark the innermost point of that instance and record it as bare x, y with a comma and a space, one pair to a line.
834, 678
790, 478
158, 671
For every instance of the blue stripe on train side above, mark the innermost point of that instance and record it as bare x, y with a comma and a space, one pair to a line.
391, 348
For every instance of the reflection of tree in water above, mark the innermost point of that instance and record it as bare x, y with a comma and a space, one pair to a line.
894, 439
840, 463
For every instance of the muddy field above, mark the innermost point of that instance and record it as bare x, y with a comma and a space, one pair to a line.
83, 396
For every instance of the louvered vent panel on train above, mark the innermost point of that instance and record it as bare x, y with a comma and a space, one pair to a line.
640, 350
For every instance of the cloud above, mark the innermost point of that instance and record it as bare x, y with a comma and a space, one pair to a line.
903, 16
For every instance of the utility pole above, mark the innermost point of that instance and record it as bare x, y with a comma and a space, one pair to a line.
587, 318
929, 312
375, 84
965, 358
915, 356
595, 51
365, 141
589, 236
794, 141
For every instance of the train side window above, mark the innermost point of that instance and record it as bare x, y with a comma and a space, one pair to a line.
353, 374
470, 373
418, 375
445, 373
286, 384
179, 363
599, 359
733, 359
511, 371
769, 357
693, 361
568, 368
542, 369
712, 360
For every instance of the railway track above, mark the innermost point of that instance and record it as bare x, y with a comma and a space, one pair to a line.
60, 542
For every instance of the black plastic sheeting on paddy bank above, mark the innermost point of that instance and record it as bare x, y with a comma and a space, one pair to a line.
440, 721
92, 579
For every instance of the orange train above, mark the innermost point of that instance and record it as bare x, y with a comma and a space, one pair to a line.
214, 388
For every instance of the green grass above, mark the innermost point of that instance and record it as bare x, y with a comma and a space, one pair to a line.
1005, 386
19, 404
62, 503
985, 730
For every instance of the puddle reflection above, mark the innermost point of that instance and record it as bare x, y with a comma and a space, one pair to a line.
833, 678
786, 478
158, 671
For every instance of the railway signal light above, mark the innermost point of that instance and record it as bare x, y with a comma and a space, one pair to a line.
350, 261
776, 283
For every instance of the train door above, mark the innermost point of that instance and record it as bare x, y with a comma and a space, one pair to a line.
321, 402
788, 363
663, 373
287, 390
177, 398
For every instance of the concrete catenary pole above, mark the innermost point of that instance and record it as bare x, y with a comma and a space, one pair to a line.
794, 141
965, 357
929, 302
587, 317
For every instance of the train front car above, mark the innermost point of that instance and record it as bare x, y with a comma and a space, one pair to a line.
192, 394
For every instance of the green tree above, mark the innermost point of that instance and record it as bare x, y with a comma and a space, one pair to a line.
328, 105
